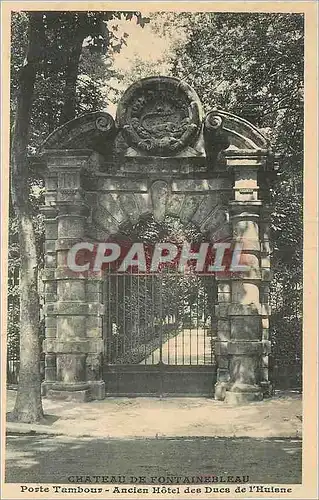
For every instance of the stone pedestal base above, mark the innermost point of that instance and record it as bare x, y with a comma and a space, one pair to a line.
80, 396
220, 390
74, 392
267, 389
97, 389
242, 398
45, 387
69, 391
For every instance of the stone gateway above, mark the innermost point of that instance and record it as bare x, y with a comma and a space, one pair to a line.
163, 164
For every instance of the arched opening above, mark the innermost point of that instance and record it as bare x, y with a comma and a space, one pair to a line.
159, 327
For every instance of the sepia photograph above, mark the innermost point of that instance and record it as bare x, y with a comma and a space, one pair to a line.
159, 242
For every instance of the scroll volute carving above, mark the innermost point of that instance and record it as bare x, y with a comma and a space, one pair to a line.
215, 137
94, 131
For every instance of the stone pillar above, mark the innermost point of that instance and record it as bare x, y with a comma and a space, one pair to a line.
71, 348
223, 335
48, 277
243, 346
265, 250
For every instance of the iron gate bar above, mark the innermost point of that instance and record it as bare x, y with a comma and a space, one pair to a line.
144, 311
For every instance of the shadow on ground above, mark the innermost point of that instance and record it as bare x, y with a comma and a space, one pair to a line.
53, 459
46, 420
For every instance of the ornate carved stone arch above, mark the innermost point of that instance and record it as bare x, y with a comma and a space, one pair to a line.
159, 156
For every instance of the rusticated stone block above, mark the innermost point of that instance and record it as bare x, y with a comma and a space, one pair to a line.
50, 291
51, 229
159, 193
64, 273
242, 347
189, 207
49, 246
71, 291
265, 310
64, 395
244, 372
50, 322
50, 333
200, 185
75, 346
244, 309
96, 389
265, 333
223, 362
71, 327
245, 293
48, 274
70, 226
221, 348
50, 260
116, 184
265, 322
245, 328
71, 368
221, 310
94, 326
66, 243
94, 367
223, 297
266, 274
266, 346
74, 308
174, 204
50, 367
265, 249
51, 182
94, 296
223, 329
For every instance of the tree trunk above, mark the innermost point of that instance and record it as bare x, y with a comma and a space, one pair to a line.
28, 406
71, 75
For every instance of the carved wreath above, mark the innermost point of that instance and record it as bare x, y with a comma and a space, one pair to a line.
160, 122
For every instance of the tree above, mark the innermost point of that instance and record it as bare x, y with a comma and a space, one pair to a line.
54, 45
28, 406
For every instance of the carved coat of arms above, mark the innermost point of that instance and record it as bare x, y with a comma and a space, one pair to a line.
159, 116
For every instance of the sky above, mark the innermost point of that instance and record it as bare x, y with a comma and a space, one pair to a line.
145, 45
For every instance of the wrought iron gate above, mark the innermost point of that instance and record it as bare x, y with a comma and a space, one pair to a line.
158, 334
